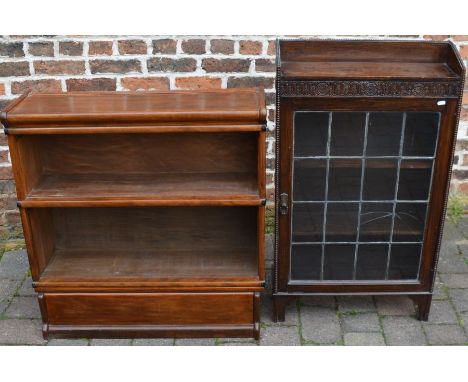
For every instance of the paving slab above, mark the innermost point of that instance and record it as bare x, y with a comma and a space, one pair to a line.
403, 331
356, 304
26, 288
442, 313
323, 301
195, 342
455, 280
110, 342
8, 289
14, 265
23, 307
21, 332
68, 342
320, 325
394, 305
153, 342
460, 299
361, 322
364, 339
452, 263
279, 336
266, 315
440, 290
445, 335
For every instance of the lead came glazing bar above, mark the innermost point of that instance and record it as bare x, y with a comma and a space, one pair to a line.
363, 166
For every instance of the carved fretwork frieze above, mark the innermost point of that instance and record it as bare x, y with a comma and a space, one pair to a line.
433, 89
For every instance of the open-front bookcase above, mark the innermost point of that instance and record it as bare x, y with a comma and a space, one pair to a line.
143, 213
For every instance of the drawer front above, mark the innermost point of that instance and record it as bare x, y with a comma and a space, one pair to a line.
149, 308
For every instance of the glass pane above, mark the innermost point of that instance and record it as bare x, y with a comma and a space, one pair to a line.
376, 221
338, 262
371, 261
342, 221
309, 179
344, 179
347, 133
404, 261
310, 134
384, 134
306, 261
380, 179
420, 134
409, 221
415, 179
307, 222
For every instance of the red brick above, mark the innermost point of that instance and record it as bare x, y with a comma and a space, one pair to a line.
3, 138
271, 115
195, 46
71, 48
265, 65
198, 83
465, 99
165, 45
43, 48
463, 188
132, 47
222, 46
2, 89
464, 51
249, 82
7, 202
100, 48
6, 173
464, 114
166, 64
250, 47
115, 66
145, 83
439, 37
3, 156
93, 84
460, 37
225, 65
11, 49
9, 69
59, 67
40, 86
271, 48
12, 217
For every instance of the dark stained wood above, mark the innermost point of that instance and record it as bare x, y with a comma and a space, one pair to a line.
366, 70
377, 63
143, 213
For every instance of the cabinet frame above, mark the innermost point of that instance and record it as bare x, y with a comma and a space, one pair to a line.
303, 85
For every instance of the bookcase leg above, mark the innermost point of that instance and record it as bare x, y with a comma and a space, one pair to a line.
279, 307
423, 303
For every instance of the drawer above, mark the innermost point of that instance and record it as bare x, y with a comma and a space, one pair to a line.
149, 309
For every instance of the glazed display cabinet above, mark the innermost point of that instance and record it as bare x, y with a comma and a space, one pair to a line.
365, 140
143, 213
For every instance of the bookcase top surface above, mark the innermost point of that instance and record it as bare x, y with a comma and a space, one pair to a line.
236, 106
368, 59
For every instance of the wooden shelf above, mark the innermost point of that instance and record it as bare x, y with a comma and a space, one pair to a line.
366, 70
99, 266
145, 189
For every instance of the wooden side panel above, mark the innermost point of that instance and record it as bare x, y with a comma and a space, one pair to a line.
150, 309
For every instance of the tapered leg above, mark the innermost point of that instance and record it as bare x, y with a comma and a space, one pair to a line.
423, 303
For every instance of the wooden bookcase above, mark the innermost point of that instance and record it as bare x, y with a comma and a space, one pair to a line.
366, 132
143, 213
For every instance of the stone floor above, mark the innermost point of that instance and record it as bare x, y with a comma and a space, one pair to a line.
312, 321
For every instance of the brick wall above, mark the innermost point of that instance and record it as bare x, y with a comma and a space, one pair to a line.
139, 63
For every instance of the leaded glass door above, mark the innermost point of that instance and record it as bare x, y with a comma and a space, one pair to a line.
359, 195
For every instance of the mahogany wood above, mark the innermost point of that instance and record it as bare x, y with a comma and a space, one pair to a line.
393, 76
143, 213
